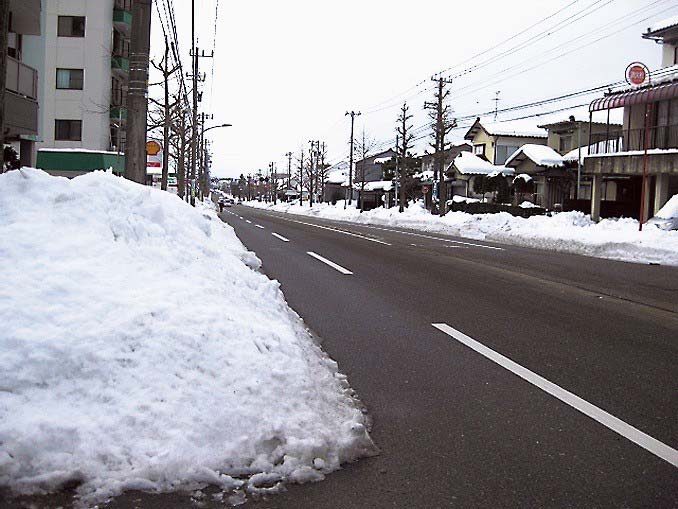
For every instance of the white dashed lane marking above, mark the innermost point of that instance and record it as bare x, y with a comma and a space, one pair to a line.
335, 266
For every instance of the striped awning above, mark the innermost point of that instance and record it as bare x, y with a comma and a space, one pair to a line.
644, 95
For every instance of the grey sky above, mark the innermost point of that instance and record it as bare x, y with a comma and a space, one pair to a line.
286, 72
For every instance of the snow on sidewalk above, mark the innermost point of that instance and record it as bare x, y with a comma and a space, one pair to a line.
141, 349
571, 232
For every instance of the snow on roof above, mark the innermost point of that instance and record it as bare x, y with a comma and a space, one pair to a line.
663, 24
424, 175
541, 155
382, 160
84, 150
337, 173
467, 163
523, 176
377, 185
524, 127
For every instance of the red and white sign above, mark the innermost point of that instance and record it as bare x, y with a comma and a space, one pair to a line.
425, 189
637, 73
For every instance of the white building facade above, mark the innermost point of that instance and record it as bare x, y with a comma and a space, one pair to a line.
83, 57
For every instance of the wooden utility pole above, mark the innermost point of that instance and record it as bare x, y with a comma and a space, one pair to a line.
322, 171
137, 92
301, 177
353, 114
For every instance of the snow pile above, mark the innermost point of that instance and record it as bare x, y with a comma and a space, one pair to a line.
142, 350
572, 232
670, 209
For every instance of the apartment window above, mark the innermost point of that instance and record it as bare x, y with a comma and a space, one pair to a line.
69, 79
71, 26
68, 130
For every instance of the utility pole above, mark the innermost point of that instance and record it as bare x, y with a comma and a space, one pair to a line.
301, 177
496, 104
4, 32
353, 114
137, 92
397, 177
322, 172
289, 173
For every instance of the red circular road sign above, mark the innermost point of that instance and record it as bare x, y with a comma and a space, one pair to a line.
424, 189
637, 73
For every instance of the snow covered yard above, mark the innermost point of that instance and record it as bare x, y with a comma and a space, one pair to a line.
572, 232
141, 349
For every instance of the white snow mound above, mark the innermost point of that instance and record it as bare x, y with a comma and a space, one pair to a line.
572, 232
141, 350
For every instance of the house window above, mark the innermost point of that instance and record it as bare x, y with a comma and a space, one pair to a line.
71, 26
565, 143
69, 79
479, 150
502, 153
68, 130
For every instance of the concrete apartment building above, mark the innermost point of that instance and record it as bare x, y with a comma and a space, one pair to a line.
22, 81
83, 56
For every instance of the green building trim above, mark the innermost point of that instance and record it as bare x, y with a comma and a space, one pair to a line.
74, 160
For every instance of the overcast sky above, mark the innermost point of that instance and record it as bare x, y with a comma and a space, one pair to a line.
285, 72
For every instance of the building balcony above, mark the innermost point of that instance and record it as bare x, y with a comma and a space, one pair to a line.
21, 99
118, 113
120, 64
122, 18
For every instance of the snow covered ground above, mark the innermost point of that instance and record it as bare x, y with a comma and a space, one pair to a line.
141, 349
571, 232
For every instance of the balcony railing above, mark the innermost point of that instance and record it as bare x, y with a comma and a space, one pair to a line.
125, 5
661, 137
21, 79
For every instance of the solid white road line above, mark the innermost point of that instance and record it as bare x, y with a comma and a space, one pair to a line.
340, 231
259, 226
328, 262
435, 238
629, 432
277, 236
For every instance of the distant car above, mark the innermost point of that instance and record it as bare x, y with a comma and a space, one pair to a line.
228, 202
666, 217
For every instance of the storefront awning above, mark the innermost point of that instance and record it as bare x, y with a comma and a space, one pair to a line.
648, 94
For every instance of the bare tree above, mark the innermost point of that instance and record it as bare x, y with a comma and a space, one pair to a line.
441, 125
405, 136
364, 146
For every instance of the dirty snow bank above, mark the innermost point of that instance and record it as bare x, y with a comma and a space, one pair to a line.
572, 232
140, 350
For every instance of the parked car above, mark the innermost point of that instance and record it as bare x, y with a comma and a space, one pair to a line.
666, 217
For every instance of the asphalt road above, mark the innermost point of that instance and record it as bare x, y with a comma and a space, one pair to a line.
455, 427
